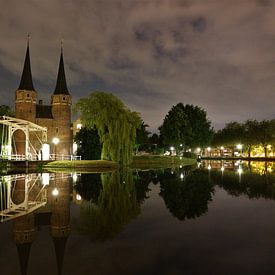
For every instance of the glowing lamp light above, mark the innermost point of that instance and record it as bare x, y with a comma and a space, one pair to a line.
55, 192
74, 148
180, 145
239, 146
180, 166
78, 126
74, 177
222, 168
209, 167
45, 179
172, 148
222, 148
181, 176
198, 149
78, 197
208, 149
56, 140
45, 151
240, 170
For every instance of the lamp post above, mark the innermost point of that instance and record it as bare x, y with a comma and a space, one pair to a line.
55, 142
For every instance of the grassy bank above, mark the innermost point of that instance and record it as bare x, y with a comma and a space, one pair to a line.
160, 161
81, 166
142, 162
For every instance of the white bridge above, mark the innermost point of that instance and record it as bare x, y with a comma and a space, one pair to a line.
9, 125
21, 195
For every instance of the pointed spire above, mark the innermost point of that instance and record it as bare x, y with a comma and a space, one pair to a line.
23, 251
60, 247
61, 84
26, 78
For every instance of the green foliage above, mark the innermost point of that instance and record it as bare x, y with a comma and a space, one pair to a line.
115, 206
6, 111
187, 125
142, 137
115, 123
88, 143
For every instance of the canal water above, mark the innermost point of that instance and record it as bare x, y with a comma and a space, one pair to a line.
212, 218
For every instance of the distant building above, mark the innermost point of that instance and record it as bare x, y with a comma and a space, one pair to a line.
56, 117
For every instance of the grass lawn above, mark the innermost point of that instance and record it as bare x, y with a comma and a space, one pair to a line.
142, 162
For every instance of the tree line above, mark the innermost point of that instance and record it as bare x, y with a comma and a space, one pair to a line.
250, 133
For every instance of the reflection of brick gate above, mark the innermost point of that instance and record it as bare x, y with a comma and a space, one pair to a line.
10, 126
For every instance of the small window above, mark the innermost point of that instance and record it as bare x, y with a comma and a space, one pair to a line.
56, 130
64, 98
28, 95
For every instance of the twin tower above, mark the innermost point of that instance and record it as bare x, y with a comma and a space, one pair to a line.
56, 117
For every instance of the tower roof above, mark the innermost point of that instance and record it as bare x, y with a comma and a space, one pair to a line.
26, 78
61, 84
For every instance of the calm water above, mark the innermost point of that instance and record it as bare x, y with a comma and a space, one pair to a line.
218, 218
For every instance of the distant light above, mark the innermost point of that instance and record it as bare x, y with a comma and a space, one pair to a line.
239, 146
78, 126
55, 192
209, 167
74, 148
181, 176
180, 145
189, 150
74, 177
56, 140
240, 170
208, 149
198, 149
180, 157
222, 168
45, 179
180, 166
222, 148
78, 197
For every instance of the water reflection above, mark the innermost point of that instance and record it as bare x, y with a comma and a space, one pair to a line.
33, 201
115, 205
107, 202
186, 196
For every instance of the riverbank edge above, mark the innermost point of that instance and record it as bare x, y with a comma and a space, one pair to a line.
139, 162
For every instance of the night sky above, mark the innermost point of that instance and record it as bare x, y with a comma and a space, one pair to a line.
218, 54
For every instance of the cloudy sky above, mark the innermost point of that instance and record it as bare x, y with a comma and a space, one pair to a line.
152, 54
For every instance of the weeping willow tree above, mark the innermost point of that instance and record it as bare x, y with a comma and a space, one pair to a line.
116, 205
115, 123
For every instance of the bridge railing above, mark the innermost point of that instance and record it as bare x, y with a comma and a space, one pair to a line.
16, 157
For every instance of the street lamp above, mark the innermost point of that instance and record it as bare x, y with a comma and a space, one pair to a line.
55, 140
240, 147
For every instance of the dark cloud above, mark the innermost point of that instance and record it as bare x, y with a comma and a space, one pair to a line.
218, 54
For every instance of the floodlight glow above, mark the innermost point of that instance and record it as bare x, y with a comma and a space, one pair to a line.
239, 146
56, 140
78, 126
55, 192
78, 197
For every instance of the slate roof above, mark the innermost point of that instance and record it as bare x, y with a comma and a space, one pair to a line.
61, 84
26, 78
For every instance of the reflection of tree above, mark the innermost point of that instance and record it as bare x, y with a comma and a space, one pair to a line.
142, 179
186, 198
89, 187
251, 184
116, 206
